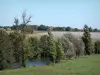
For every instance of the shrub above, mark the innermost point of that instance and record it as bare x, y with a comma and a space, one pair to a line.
28, 29
75, 42
97, 47
68, 48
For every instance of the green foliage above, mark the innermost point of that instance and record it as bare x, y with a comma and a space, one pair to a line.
59, 28
6, 52
87, 39
97, 47
77, 44
90, 29
69, 48
87, 65
43, 27
95, 30
68, 28
44, 47
28, 29
34, 51
19, 47
59, 50
48, 47
75, 29
73, 46
52, 47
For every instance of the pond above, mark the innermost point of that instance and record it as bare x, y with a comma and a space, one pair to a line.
30, 64
36, 63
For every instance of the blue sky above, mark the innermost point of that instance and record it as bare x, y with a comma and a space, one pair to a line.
74, 13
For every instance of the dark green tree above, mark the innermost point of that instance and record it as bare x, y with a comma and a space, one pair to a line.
34, 52
44, 47
95, 30
87, 39
43, 27
19, 47
90, 29
6, 52
59, 50
28, 29
16, 24
68, 28
52, 47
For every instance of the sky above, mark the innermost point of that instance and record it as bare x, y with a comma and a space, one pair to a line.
73, 13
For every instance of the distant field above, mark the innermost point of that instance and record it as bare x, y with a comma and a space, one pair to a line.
86, 65
94, 35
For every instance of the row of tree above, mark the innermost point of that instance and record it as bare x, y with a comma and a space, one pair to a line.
45, 28
15, 48
31, 28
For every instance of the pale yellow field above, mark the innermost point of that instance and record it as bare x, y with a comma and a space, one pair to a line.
94, 35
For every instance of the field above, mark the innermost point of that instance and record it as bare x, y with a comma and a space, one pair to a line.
85, 65
94, 35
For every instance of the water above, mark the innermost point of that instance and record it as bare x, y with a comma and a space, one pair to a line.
37, 63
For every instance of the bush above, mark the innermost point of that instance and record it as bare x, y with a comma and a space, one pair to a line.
28, 29
75, 43
97, 47
68, 48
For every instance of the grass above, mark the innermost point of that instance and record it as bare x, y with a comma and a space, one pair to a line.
87, 65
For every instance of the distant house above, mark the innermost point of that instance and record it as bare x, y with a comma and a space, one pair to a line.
51, 28
81, 30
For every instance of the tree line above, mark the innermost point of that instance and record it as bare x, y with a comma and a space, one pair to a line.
15, 48
45, 28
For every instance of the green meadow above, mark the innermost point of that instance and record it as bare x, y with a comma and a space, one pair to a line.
84, 65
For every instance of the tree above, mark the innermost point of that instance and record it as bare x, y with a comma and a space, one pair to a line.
44, 47
34, 52
90, 29
87, 39
48, 47
69, 48
95, 30
52, 47
68, 28
76, 29
59, 50
77, 42
19, 47
23, 26
28, 29
6, 52
59, 28
16, 26
43, 27
97, 47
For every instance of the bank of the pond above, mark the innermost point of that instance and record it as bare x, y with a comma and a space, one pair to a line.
87, 65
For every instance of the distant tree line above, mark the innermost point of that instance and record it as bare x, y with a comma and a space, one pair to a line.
25, 27
45, 28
